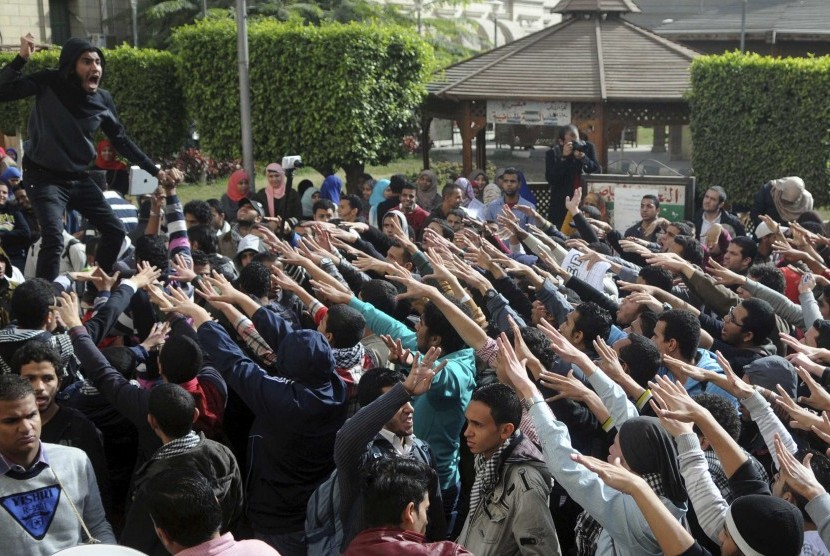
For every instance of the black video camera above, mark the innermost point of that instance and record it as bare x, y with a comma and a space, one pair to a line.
581, 146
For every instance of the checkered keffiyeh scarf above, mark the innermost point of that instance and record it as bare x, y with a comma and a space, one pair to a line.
486, 472
346, 358
178, 446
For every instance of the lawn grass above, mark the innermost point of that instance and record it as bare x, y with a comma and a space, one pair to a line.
214, 190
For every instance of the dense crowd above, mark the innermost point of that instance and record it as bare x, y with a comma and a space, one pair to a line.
421, 368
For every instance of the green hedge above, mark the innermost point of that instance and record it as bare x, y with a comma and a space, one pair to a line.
339, 95
147, 94
757, 118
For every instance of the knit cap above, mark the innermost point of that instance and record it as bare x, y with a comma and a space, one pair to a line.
765, 526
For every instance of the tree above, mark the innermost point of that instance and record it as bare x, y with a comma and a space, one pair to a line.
340, 95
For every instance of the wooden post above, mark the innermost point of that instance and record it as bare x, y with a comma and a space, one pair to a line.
481, 149
601, 141
426, 121
469, 125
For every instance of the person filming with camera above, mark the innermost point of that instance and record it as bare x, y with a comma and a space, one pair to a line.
565, 163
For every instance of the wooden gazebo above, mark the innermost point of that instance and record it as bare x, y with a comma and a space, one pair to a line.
607, 72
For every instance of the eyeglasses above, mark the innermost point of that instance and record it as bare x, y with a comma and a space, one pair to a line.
730, 317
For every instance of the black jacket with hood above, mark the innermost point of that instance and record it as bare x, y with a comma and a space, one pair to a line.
298, 413
65, 117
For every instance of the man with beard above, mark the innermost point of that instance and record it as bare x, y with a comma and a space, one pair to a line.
69, 108
510, 198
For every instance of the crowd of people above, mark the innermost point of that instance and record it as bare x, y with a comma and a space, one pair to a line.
413, 369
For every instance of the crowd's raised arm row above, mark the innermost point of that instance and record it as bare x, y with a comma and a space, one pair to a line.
404, 370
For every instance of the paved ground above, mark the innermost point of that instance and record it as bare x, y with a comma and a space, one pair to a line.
532, 163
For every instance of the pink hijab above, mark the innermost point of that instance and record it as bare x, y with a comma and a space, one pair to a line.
233, 191
272, 193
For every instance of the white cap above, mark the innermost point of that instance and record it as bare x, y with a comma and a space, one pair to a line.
762, 230
248, 243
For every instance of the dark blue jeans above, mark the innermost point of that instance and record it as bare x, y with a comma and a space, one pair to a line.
51, 196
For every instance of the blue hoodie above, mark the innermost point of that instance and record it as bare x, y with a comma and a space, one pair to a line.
331, 188
298, 414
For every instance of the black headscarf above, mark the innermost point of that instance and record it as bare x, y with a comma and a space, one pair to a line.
648, 448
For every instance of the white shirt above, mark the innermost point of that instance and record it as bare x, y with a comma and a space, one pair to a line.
402, 445
706, 224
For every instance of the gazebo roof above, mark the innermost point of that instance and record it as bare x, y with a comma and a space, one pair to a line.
606, 6
587, 57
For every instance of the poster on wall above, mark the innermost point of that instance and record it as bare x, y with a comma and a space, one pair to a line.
618, 197
528, 112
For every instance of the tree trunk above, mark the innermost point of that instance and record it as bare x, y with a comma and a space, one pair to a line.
353, 172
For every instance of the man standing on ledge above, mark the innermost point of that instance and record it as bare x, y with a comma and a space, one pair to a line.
60, 152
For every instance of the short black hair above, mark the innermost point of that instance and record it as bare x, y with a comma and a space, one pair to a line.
657, 276
153, 250
172, 407
322, 204
503, 402
683, 229
180, 359
266, 258
381, 294
593, 321
459, 212
200, 210
691, 249
205, 236
373, 382
823, 328
346, 326
652, 198
14, 387
181, 502
200, 258
723, 411
35, 351
354, 201
512, 171
31, 301
391, 485
760, 320
216, 205
563, 130
747, 246
537, 342
449, 188
255, 279
648, 320
684, 327
446, 230
408, 185
397, 183
769, 275
438, 325
642, 357
720, 191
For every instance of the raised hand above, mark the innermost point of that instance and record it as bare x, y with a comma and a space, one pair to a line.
157, 336
572, 203
420, 377
331, 293
414, 288
612, 474
397, 353
283, 280
725, 276
66, 307
673, 401
27, 46
564, 348
183, 304
157, 295
796, 475
223, 290
515, 370
104, 281
609, 360
802, 418
734, 385
819, 398
567, 386
147, 274
182, 271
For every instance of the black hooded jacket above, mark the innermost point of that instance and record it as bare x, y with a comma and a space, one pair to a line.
65, 118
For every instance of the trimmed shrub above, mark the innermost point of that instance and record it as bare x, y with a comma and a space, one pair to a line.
756, 118
339, 95
143, 84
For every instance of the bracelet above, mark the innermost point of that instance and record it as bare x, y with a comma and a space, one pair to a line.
527, 403
154, 214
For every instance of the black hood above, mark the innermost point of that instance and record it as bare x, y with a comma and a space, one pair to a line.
70, 53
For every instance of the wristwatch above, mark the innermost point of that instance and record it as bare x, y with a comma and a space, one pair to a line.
490, 294
527, 403
325, 261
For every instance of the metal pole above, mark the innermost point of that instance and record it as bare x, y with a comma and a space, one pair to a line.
743, 26
204, 9
495, 30
245, 90
134, 10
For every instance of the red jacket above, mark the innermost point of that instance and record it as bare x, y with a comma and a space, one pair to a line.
382, 541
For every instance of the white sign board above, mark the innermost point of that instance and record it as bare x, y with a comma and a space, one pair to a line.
528, 112
592, 276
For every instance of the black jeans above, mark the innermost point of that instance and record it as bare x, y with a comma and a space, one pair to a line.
51, 196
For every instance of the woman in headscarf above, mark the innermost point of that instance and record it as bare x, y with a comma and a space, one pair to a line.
274, 196
428, 196
472, 206
478, 179
11, 152
118, 174
332, 186
783, 200
310, 196
380, 193
239, 187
